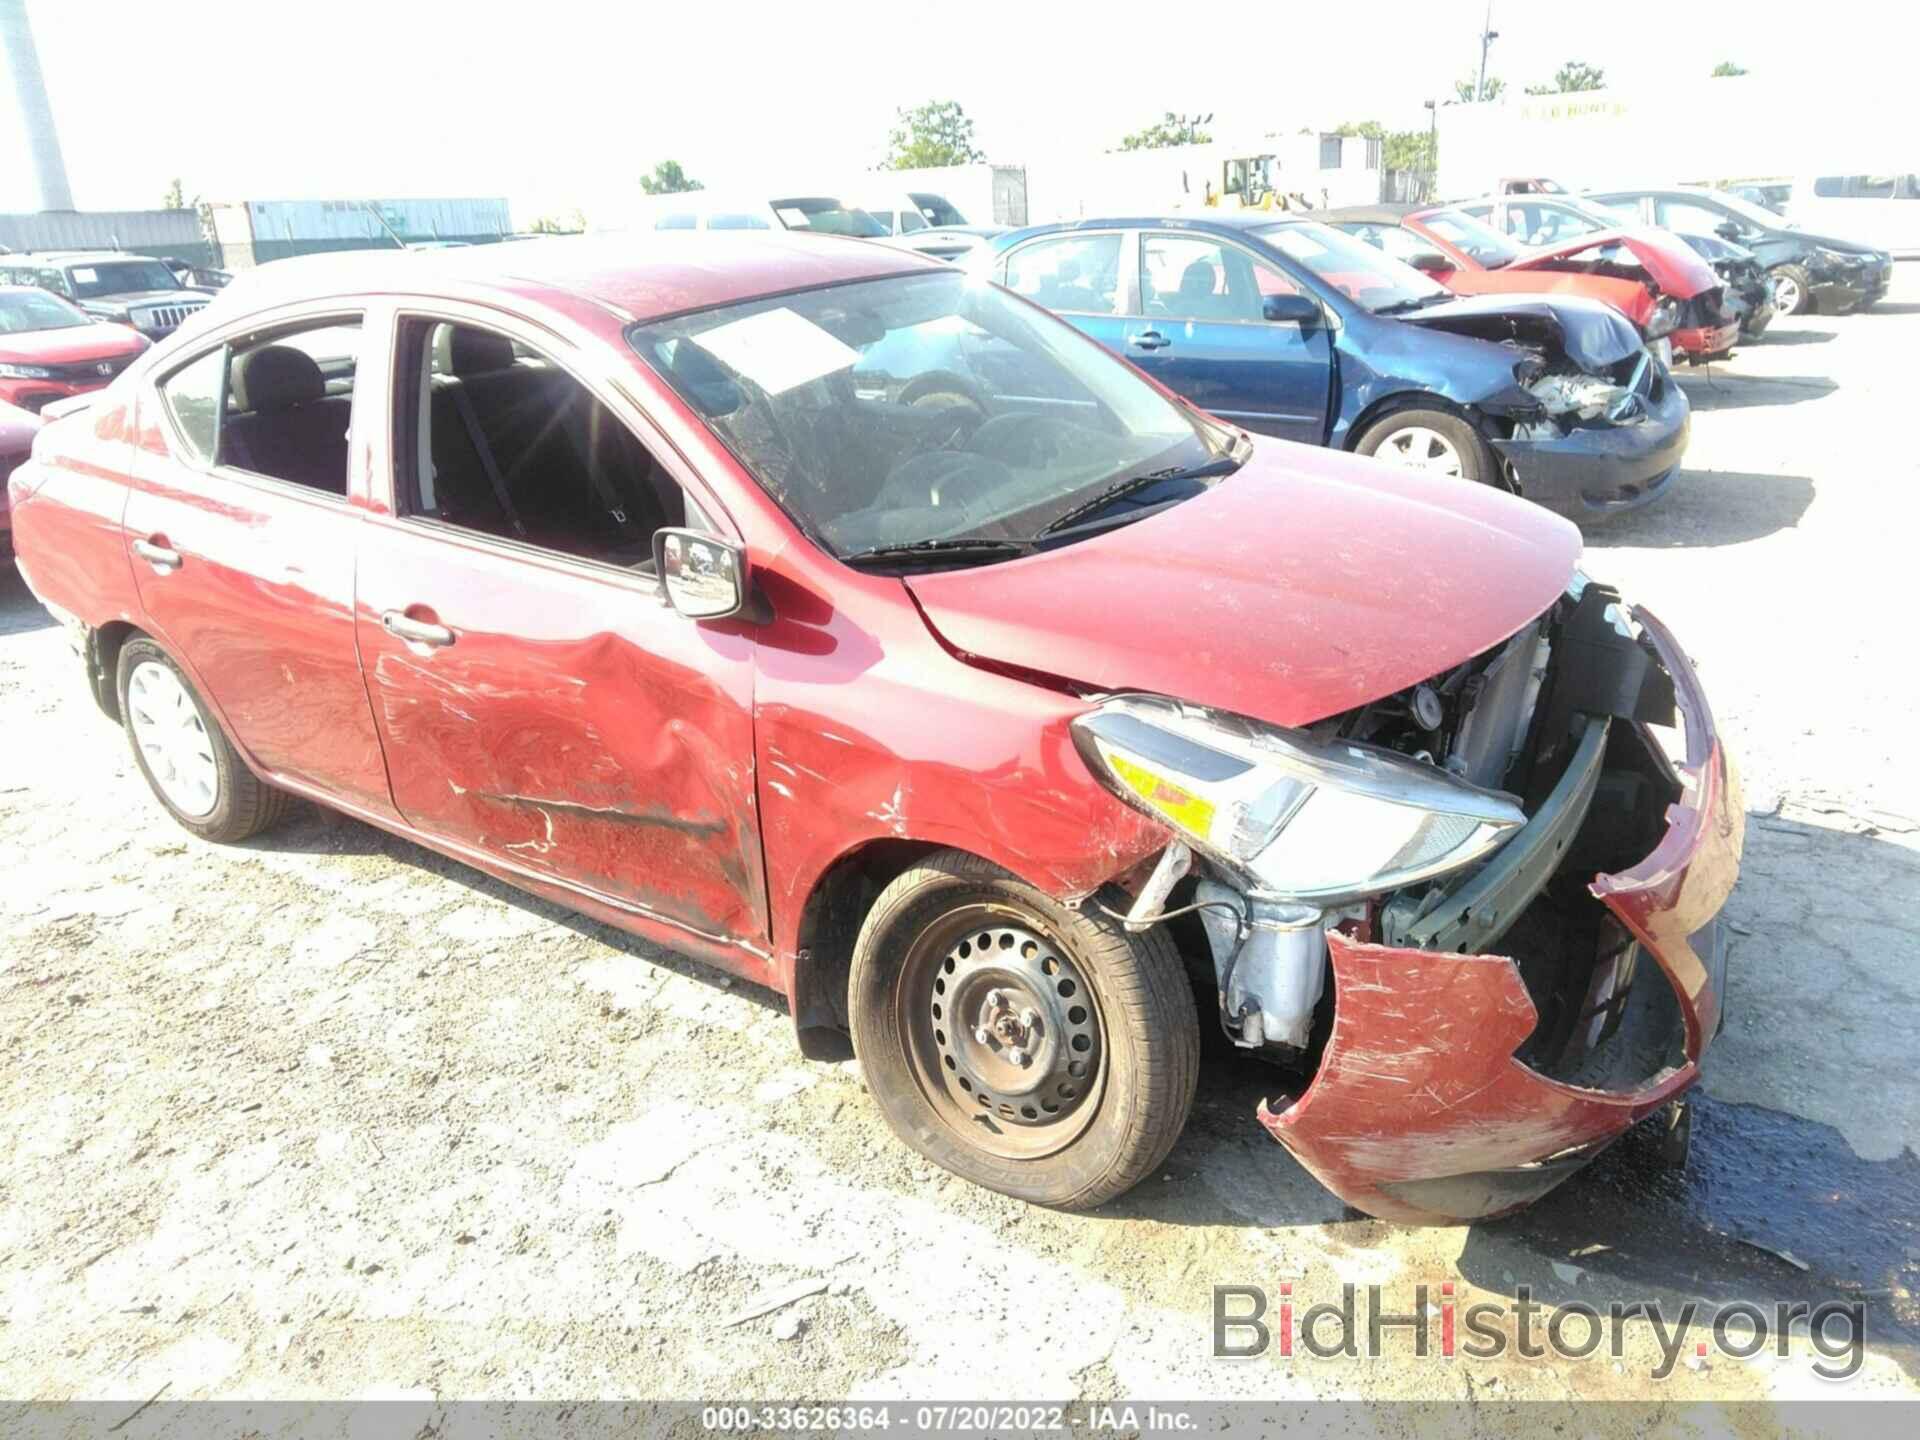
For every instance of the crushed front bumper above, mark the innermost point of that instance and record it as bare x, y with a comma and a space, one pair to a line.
1589, 472
1706, 342
1420, 1112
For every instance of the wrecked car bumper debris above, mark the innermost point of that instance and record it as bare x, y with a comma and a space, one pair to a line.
1589, 471
1422, 1109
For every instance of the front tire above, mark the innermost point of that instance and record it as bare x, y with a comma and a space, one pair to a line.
1031, 1048
1792, 290
1433, 441
193, 768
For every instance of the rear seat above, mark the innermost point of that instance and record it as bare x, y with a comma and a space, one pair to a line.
283, 423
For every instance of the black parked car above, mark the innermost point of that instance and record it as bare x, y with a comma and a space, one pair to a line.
1746, 287
135, 290
1809, 272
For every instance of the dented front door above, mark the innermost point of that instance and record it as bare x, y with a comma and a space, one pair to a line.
560, 718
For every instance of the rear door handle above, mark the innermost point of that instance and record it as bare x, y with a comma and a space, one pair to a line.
1149, 340
159, 556
419, 632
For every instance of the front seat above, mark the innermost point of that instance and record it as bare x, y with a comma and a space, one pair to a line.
1197, 299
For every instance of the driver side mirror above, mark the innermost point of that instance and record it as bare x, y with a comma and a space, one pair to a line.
1290, 309
1430, 262
1729, 230
705, 578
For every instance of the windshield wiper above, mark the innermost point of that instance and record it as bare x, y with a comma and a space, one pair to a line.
1417, 302
1219, 465
913, 550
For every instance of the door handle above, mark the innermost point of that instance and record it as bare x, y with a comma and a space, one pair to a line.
159, 556
419, 632
1149, 340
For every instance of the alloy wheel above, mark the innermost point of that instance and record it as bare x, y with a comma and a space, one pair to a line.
1419, 448
173, 739
1786, 294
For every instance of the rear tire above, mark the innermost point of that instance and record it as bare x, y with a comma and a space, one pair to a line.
1792, 290
1055, 1062
179, 746
1432, 441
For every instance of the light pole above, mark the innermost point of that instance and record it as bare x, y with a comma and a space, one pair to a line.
1487, 36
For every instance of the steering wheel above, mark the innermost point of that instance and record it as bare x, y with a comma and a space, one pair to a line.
1022, 439
953, 404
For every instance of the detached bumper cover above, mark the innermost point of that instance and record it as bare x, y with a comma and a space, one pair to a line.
1420, 1113
1593, 471
1707, 341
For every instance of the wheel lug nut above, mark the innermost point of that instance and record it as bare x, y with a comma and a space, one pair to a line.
1030, 1018
982, 1036
1017, 1056
993, 999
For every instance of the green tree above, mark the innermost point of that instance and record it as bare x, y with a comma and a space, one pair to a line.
668, 179
1463, 89
1573, 76
572, 222
176, 196
1172, 129
1399, 149
931, 135
1727, 67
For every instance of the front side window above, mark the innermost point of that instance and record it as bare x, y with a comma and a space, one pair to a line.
1189, 277
1689, 218
1077, 274
1346, 263
679, 220
1541, 224
920, 408
735, 220
495, 437
120, 277
22, 311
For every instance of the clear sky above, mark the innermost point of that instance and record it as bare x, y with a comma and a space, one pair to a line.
556, 103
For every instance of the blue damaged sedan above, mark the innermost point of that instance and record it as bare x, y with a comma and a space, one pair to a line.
1290, 328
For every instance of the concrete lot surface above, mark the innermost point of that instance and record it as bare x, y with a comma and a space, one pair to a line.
327, 1115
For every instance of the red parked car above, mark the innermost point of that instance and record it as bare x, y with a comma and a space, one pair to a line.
50, 348
1007, 720
1654, 279
17, 429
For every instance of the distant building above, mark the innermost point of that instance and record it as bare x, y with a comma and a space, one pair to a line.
252, 232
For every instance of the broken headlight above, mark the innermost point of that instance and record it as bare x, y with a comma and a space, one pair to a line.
1666, 315
1296, 817
1588, 396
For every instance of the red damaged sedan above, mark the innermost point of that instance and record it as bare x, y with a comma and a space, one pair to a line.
1656, 280
1011, 719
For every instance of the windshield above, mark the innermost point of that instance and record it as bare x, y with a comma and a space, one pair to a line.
936, 208
1757, 215
1363, 274
921, 408
120, 277
1477, 242
826, 215
24, 310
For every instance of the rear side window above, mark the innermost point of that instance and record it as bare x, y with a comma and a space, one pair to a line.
679, 221
734, 220
1079, 274
193, 396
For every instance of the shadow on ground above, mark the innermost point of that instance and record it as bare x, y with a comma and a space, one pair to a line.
19, 611
1710, 507
1789, 337
1720, 389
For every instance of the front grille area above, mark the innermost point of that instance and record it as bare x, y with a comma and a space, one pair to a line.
163, 317
82, 372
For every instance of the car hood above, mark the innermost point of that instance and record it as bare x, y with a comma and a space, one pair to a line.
119, 304
1308, 582
1834, 242
1669, 262
72, 344
1590, 333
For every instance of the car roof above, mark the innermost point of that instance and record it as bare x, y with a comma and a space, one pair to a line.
1369, 214
1237, 221
642, 275
71, 257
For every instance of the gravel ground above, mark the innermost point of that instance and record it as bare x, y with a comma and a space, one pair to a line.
328, 1115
